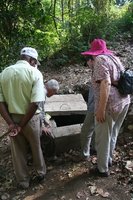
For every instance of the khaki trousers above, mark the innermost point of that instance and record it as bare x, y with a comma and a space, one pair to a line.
19, 147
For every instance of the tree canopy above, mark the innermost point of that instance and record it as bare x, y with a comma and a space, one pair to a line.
64, 26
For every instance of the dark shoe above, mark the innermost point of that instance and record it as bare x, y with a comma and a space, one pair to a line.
23, 185
110, 164
38, 179
30, 162
84, 158
87, 158
93, 152
96, 172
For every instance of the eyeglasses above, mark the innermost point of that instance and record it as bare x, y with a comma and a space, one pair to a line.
87, 58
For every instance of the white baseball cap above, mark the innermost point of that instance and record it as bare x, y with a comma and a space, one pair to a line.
29, 51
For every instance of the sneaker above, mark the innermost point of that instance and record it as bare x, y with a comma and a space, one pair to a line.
23, 185
98, 173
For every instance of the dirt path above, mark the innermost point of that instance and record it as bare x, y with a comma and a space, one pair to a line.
67, 178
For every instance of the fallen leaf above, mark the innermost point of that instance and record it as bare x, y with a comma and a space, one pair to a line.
79, 195
93, 189
102, 193
129, 165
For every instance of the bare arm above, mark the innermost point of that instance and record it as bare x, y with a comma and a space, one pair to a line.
13, 128
5, 114
31, 111
16, 128
104, 94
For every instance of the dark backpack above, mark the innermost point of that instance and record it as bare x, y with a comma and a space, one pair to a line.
125, 82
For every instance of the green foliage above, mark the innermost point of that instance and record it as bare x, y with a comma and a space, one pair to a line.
125, 23
59, 29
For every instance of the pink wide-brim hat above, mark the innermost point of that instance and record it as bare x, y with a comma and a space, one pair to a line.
98, 46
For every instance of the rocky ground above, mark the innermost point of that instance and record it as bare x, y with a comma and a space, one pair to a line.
68, 177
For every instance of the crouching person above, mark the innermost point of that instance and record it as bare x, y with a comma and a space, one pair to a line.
47, 138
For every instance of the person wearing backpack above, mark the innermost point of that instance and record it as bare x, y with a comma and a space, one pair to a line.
110, 106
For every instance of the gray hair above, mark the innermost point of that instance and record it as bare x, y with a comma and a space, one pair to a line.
52, 84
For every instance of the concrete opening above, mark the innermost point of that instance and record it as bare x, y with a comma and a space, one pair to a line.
67, 115
66, 120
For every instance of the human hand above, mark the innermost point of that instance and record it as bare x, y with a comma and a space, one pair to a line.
11, 126
15, 130
46, 130
100, 115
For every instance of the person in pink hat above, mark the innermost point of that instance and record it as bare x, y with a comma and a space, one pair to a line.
110, 106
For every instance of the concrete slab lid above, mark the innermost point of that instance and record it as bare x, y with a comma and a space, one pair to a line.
66, 104
67, 130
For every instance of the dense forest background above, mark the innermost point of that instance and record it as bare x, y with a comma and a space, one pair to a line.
60, 29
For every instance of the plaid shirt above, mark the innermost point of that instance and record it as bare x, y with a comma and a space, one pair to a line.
105, 68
